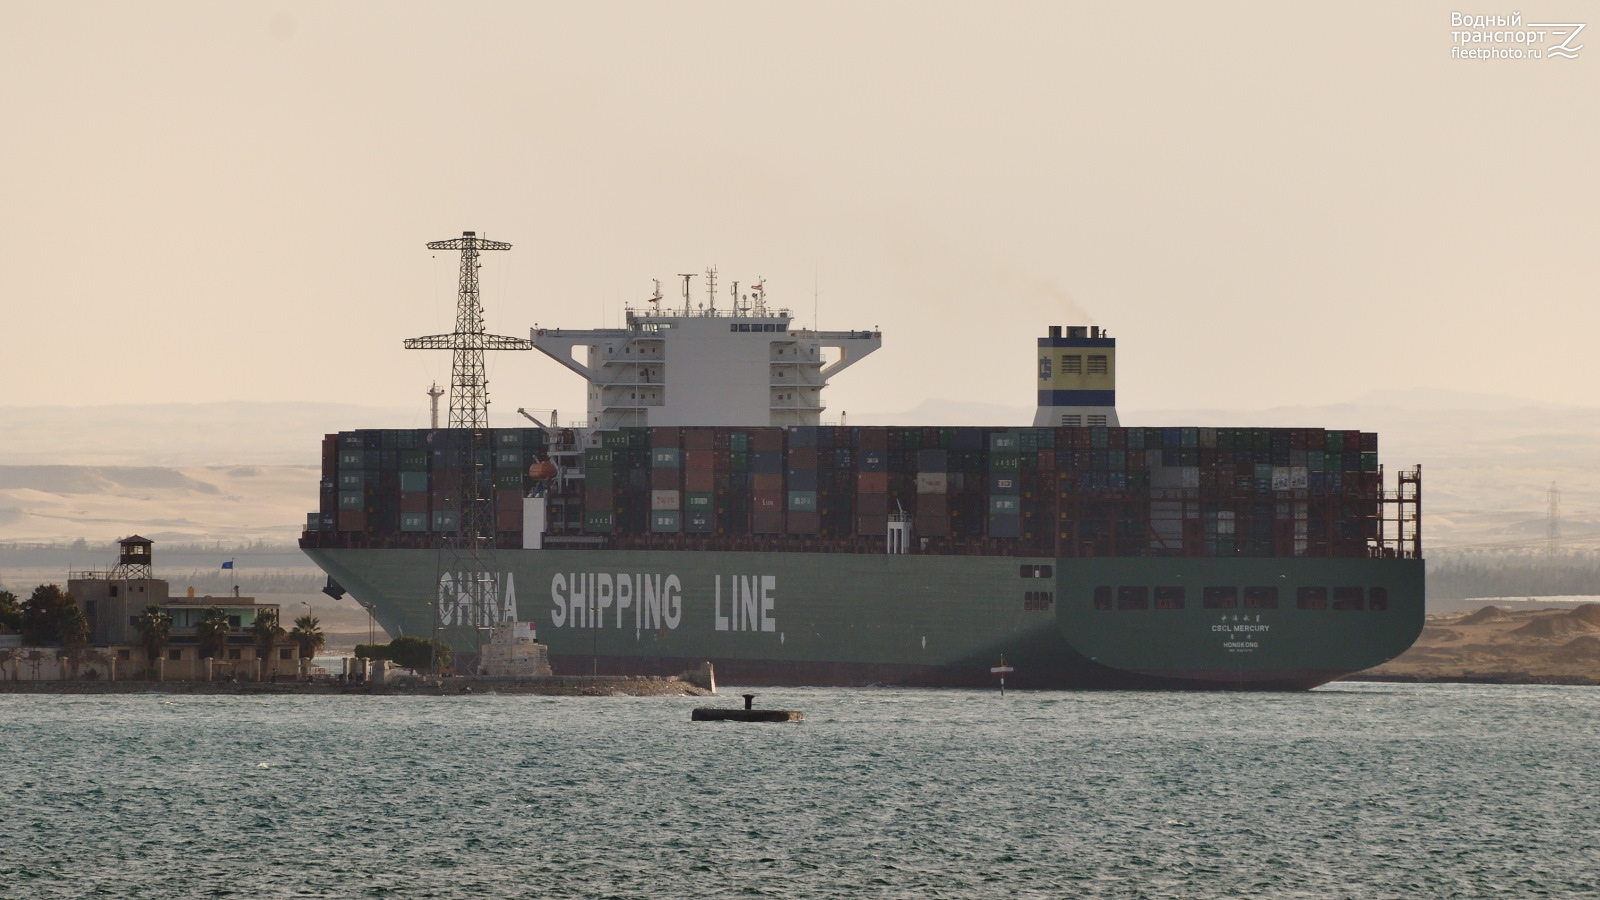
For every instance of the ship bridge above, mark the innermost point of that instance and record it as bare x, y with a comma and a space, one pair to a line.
738, 369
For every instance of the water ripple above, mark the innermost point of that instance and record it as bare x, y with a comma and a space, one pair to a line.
1356, 791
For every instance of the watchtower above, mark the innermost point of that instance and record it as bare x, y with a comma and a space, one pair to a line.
134, 563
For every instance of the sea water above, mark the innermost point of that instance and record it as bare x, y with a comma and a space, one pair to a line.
1354, 790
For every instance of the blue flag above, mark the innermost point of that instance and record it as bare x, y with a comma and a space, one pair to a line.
228, 564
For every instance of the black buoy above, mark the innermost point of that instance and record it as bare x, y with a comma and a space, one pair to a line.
748, 714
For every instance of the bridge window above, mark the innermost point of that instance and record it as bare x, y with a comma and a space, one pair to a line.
1169, 598
1102, 597
1133, 598
1347, 598
1260, 598
1219, 597
1035, 571
1378, 599
1311, 598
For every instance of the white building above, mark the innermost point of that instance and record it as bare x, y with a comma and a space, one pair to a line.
704, 367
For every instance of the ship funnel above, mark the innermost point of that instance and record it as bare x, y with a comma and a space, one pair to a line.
1077, 377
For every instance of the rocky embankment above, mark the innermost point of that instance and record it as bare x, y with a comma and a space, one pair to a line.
1493, 645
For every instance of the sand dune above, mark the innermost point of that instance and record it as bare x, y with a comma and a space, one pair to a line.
1494, 644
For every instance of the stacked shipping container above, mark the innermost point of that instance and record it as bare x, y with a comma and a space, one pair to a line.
411, 483
1030, 491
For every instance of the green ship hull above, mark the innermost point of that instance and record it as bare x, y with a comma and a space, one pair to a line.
926, 620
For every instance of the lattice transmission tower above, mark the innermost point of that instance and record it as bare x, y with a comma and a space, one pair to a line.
469, 384
468, 576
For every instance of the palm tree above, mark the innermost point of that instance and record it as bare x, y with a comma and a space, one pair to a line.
267, 633
155, 630
74, 637
213, 632
308, 636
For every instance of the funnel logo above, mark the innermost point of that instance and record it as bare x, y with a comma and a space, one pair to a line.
1044, 368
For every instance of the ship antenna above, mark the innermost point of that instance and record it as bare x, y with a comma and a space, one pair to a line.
815, 293
685, 291
656, 297
711, 288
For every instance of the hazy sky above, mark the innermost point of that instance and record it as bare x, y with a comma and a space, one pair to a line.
1266, 203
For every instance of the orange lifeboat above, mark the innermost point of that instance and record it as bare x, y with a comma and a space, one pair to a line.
543, 470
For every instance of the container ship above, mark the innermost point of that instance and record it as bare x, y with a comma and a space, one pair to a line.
704, 512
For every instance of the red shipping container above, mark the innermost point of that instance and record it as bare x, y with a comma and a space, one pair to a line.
508, 500
873, 439
766, 522
352, 520
766, 503
664, 480
872, 482
872, 504
931, 526
802, 458
933, 505
698, 439
1047, 460
802, 523
508, 519
698, 460
766, 484
766, 439
414, 503
664, 437
873, 526
699, 482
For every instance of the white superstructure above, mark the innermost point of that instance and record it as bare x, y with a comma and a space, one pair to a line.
750, 368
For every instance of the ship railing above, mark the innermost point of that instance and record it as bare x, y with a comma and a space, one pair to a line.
88, 574
702, 312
